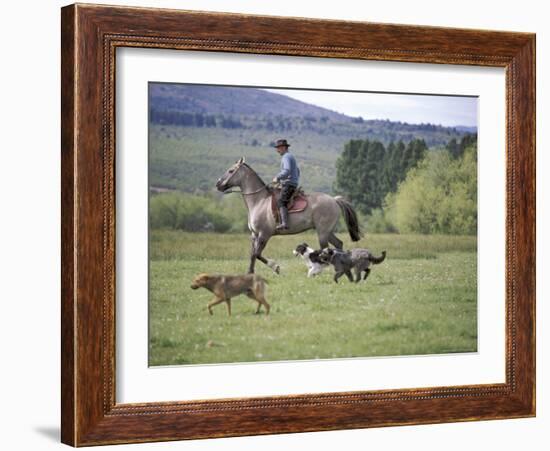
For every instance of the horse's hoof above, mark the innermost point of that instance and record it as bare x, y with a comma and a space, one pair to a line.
274, 266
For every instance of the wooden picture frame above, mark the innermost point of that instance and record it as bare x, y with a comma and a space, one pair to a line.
90, 36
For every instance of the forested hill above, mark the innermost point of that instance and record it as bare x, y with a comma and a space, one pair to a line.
226, 100
196, 131
258, 109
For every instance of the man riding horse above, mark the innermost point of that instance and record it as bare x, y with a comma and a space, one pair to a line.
321, 212
289, 177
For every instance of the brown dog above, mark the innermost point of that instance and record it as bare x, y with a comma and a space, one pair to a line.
226, 287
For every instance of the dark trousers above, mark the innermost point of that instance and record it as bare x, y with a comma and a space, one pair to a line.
286, 193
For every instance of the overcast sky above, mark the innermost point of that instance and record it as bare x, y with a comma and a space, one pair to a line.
411, 108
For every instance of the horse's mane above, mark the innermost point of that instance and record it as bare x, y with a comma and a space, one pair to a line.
259, 178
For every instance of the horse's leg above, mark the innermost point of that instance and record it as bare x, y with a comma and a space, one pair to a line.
253, 238
271, 263
337, 243
326, 238
260, 246
324, 220
323, 239
257, 249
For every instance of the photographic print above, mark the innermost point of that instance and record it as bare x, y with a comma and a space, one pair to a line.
292, 224
307, 217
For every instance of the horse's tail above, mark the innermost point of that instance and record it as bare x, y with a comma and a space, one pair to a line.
350, 216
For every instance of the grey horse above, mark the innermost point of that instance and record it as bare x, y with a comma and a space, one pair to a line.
322, 213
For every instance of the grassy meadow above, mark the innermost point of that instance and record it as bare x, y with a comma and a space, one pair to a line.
421, 300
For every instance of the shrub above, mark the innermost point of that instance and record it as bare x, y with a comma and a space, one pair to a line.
187, 212
378, 222
439, 196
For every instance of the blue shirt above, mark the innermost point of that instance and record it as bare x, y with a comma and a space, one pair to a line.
290, 172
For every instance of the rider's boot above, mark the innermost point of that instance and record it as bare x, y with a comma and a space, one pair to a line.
283, 213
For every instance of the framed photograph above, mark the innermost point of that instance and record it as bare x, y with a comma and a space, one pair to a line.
266, 231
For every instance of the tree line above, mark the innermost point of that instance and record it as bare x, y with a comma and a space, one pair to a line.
406, 188
366, 171
384, 131
173, 117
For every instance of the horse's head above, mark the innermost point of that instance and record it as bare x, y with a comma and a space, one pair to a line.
232, 176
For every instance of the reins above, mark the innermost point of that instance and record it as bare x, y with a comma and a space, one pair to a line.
242, 192
245, 194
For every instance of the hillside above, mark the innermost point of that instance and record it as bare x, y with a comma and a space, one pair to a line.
224, 100
197, 131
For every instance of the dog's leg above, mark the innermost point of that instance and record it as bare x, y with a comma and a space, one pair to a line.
214, 302
337, 275
258, 295
349, 275
367, 272
228, 301
315, 270
262, 301
253, 294
357, 275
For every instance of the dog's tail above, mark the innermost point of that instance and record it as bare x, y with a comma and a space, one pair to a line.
377, 260
350, 216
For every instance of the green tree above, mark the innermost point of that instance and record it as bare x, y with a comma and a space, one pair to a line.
387, 178
396, 169
348, 171
360, 174
437, 196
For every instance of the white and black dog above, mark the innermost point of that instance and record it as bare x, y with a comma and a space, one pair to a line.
311, 259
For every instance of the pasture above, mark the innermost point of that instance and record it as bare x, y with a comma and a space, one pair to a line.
421, 300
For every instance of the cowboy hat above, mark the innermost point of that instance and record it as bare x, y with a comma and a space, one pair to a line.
281, 143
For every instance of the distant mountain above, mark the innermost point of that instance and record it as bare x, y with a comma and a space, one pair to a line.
257, 109
207, 99
196, 131
466, 129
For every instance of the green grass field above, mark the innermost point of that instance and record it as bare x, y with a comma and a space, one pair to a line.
421, 300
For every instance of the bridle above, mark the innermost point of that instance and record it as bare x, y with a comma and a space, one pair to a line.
264, 186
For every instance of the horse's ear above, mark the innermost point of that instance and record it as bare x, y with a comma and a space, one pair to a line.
239, 161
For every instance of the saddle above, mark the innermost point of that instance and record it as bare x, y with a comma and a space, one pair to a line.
298, 201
